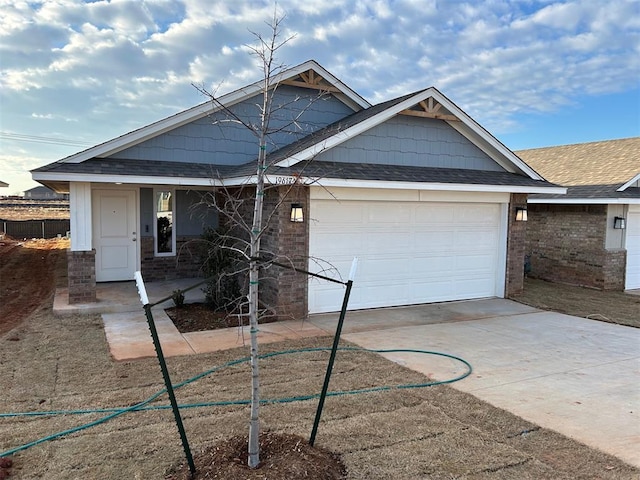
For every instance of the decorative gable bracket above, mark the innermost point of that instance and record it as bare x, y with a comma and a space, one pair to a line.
311, 79
430, 108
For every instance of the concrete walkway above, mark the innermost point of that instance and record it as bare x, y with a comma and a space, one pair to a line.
578, 377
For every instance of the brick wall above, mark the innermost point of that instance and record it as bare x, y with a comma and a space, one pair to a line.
291, 243
185, 264
81, 273
283, 291
515, 246
567, 245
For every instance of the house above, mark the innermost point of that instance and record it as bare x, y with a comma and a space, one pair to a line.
591, 235
415, 188
44, 193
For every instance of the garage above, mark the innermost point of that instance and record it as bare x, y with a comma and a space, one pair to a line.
409, 252
633, 248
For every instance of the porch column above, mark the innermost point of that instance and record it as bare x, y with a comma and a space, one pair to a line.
81, 264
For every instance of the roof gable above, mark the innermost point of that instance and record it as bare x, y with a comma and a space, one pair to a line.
306, 75
428, 103
219, 139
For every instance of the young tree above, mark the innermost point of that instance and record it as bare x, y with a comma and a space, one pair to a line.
231, 206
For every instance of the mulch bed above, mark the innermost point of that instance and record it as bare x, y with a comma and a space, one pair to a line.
198, 317
283, 457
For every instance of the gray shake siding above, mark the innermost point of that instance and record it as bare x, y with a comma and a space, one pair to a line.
217, 139
409, 141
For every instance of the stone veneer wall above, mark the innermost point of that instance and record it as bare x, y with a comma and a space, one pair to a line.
567, 245
81, 272
516, 236
185, 264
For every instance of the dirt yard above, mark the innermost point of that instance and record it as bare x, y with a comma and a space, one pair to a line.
50, 363
613, 307
29, 271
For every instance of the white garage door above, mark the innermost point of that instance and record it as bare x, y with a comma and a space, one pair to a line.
409, 252
633, 248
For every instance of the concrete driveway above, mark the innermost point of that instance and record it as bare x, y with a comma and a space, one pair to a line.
576, 376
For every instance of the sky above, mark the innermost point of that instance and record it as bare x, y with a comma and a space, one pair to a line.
534, 73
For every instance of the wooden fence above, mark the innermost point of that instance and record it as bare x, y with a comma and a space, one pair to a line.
35, 228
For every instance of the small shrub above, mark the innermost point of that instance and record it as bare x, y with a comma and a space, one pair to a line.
220, 266
178, 298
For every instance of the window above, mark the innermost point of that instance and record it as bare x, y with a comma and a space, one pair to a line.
165, 238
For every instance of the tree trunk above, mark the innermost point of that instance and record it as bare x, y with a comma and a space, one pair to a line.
254, 274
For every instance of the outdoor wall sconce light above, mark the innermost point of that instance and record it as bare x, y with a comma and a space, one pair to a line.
619, 223
296, 213
521, 214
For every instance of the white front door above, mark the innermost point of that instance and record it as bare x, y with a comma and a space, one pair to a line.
115, 234
633, 248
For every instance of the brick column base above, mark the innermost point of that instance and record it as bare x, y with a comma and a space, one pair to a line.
81, 268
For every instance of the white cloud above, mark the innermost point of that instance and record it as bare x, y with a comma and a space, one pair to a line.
115, 66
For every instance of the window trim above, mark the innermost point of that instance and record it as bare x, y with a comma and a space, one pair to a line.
172, 253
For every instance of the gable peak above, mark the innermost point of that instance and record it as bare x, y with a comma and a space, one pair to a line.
311, 79
430, 107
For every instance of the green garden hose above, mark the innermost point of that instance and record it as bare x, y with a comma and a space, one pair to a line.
144, 405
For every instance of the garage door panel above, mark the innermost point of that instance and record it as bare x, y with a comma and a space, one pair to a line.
429, 213
397, 239
389, 213
334, 244
476, 214
470, 263
478, 287
325, 213
484, 239
437, 252
432, 265
434, 240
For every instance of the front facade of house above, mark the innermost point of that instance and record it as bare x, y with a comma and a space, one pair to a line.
413, 187
590, 236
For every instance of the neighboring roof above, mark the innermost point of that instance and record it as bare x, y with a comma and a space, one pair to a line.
39, 189
309, 74
3, 184
595, 172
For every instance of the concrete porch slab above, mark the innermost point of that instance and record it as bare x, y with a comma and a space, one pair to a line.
118, 297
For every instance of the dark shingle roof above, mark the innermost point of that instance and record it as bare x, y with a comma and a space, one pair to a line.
589, 170
114, 166
312, 169
397, 173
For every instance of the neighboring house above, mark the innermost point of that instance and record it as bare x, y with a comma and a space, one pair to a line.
44, 193
3, 184
422, 194
591, 235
